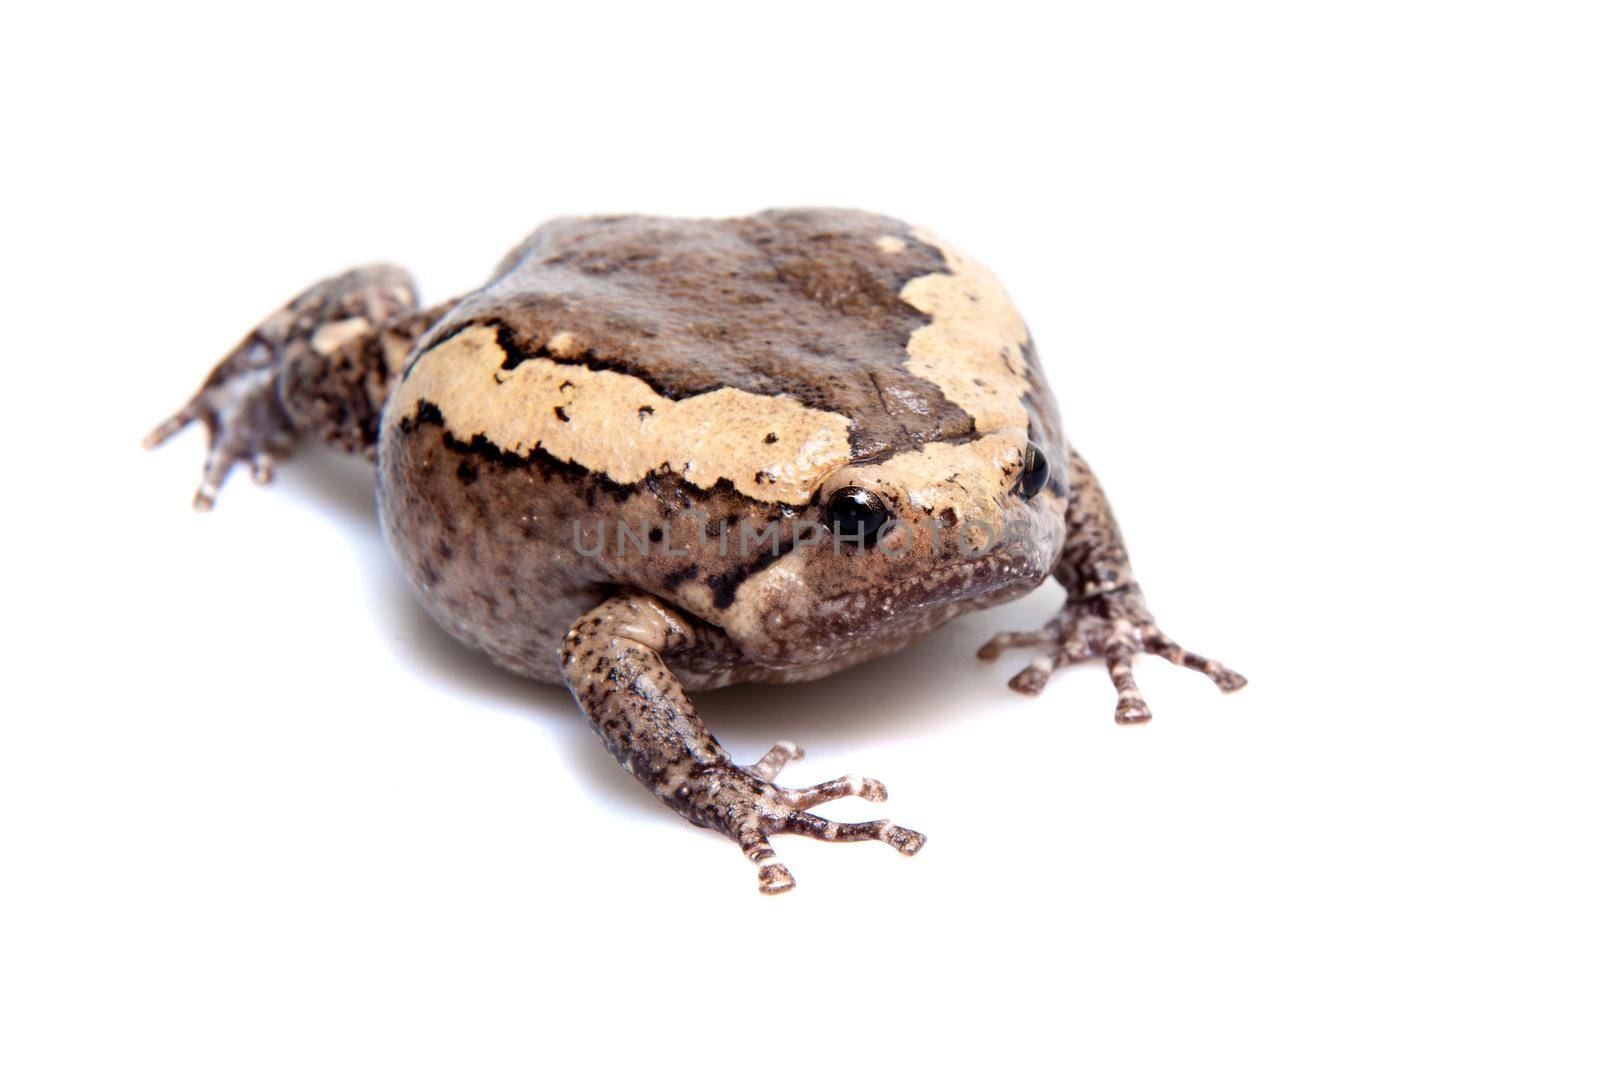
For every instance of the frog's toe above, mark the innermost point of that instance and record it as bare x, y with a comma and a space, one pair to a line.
1030, 681
906, 842
1066, 650
1159, 644
1131, 708
851, 785
171, 425
772, 877
775, 878
217, 464
777, 757
1009, 639
262, 468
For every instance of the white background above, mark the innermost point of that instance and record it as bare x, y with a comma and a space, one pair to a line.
1316, 286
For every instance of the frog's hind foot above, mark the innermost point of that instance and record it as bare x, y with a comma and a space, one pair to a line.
1113, 626
318, 365
244, 420
745, 804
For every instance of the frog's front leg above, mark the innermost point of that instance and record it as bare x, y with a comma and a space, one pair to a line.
321, 365
614, 659
1105, 616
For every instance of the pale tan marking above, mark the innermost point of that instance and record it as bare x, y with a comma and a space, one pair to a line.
330, 335
890, 244
704, 438
972, 350
970, 479
562, 344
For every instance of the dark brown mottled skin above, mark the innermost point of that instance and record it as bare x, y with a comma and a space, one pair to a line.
788, 335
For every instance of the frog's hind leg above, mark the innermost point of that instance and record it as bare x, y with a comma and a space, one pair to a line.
1105, 616
613, 661
319, 366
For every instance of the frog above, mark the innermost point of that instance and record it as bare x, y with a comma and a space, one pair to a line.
656, 456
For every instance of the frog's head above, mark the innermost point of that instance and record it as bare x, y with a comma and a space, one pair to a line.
888, 549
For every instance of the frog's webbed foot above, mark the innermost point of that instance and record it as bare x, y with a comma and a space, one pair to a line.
244, 420
745, 804
1113, 626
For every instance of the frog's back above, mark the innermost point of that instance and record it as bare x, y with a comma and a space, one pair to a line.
804, 304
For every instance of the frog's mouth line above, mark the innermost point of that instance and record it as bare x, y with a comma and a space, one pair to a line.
954, 583
839, 625
967, 578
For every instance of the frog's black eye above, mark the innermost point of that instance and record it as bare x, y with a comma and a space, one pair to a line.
856, 514
1035, 472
